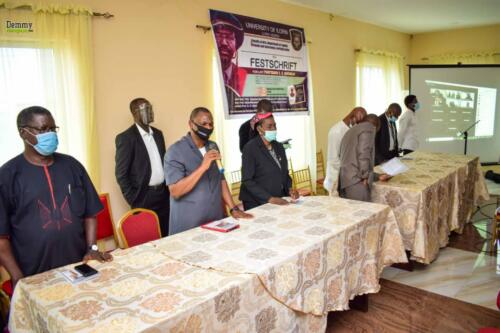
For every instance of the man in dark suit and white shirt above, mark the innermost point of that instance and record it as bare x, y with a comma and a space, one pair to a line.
386, 141
139, 164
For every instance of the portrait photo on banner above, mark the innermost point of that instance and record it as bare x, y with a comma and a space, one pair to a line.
260, 59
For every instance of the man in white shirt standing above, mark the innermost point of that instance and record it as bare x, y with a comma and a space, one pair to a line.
139, 164
408, 130
335, 136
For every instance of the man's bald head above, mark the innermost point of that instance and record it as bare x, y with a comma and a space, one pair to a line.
374, 120
357, 114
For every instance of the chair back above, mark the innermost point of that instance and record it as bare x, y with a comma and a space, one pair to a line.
320, 165
320, 173
235, 185
235, 191
139, 226
302, 180
235, 176
290, 172
5, 297
105, 226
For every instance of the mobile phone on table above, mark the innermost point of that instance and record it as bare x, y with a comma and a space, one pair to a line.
85, 270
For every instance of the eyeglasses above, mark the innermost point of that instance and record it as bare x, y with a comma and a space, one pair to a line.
43, 129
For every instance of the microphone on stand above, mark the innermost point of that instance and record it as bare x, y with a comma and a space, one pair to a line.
213, 146
465, 135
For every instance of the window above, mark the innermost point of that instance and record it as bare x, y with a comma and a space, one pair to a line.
28, 76
379, 80
49, 65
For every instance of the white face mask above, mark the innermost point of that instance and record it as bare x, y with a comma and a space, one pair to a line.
270, 135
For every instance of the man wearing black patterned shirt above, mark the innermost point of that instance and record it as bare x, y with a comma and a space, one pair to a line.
47, 203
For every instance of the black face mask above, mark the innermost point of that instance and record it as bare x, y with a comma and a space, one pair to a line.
203, 132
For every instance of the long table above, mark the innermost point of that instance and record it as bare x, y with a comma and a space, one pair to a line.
284, 270
436, 196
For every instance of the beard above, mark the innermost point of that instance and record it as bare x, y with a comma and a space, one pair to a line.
226, 56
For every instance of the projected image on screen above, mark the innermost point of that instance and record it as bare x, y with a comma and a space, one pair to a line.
452, 98
456, 107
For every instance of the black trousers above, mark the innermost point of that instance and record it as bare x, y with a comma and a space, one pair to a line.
158, 200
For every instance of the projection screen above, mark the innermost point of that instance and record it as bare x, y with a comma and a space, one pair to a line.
453, 98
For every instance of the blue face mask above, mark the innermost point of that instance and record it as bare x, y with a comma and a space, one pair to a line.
47, 143
417, 106
270, 135
393, 119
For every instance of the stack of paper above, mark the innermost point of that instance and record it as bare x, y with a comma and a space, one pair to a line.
394, 167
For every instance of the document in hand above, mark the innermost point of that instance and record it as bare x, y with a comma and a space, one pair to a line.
221, 226
394, 167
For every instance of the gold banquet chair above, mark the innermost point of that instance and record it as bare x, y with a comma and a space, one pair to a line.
320, 173
290, 172
302, 182
235, 185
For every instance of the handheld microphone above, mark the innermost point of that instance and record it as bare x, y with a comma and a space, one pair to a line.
213, 146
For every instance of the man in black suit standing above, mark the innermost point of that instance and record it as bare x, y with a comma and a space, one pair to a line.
386, 141
139, 164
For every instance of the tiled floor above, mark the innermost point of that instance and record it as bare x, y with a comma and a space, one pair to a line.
456, 293
464, 270
456, 273
493, 187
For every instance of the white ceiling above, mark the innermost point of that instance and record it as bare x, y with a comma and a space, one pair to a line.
412, 16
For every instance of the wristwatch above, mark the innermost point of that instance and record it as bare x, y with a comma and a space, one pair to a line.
235, 208
93, 247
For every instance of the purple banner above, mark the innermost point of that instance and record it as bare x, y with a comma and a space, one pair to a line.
260, 59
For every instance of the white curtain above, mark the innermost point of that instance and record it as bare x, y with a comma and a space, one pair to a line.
379, 80
299, 128
29, 76
26, 79
49, 66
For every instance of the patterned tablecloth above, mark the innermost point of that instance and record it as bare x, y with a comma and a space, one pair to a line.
144, 291
313, 256
280, 272
436, 196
